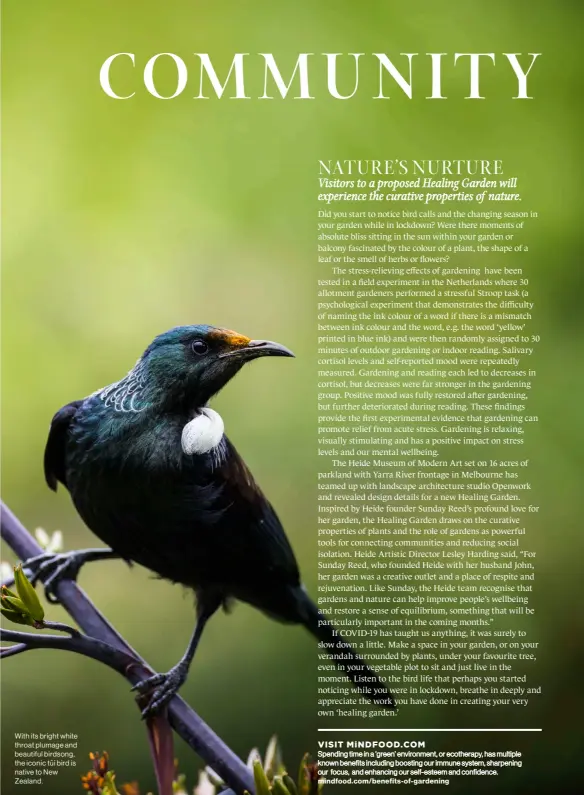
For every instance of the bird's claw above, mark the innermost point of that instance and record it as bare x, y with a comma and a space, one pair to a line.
58, 566
161, 688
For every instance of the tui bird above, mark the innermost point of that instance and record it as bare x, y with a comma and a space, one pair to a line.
152, 474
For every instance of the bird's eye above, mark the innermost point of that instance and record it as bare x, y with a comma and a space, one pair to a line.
199, 347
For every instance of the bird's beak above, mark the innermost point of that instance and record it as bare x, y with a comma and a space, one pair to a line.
256, 348
267, 348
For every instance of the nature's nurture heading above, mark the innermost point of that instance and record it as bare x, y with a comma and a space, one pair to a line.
121, 76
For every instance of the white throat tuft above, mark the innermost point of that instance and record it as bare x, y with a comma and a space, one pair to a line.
203, 433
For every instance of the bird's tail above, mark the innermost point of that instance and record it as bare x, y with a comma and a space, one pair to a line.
344, 656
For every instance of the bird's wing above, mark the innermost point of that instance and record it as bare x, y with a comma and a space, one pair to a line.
55, 447
257, 532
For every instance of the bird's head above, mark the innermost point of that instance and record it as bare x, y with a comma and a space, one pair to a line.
189, 364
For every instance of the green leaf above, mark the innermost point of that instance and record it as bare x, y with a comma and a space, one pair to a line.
16, 604
273, 761
279, 788
7, 592
290, 785
17, 618
251, 758
109, 785
303, 776
28, 594
260, 778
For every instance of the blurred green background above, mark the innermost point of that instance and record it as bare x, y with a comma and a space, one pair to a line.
122, 219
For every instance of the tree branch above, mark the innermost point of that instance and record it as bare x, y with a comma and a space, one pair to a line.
185, 721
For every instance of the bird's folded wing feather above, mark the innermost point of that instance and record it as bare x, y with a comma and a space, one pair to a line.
255, 525
55, 447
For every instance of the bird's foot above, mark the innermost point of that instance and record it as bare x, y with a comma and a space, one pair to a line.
53, 567
161, 688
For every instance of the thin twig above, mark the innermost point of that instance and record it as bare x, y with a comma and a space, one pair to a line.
185, 721
80, 644
12, 651
61, 628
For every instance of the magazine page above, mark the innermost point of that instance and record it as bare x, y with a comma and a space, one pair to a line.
292, 398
